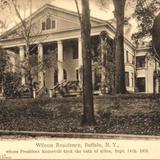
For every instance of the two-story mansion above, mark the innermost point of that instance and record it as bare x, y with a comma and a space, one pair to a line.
58, 29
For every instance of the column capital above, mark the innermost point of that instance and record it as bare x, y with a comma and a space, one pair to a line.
40, 45
60, 42
21, 47
22, 57
80, 38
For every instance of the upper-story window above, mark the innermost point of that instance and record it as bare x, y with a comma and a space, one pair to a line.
140, 61
127, 57
133, 61
43, 25
48, 24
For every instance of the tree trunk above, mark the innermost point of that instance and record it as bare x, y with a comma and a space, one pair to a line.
119, 47
29, 69
88, 110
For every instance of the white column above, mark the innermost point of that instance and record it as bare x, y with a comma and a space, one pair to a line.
40, 62
80, 62
22, 58
60, 61
103, 71
157, 86
13, 62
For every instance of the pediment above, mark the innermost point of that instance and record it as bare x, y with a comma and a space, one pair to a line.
61, 20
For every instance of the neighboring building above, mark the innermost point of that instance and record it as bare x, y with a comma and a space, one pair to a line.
59, 29
146, 68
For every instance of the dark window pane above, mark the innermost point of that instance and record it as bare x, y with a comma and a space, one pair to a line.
132, 80
127, 56
140, 61
53, 24
55, 77
43, 26
141, 85
48, 23
75, 49
127, 78
77, 74
64, 74
97, 83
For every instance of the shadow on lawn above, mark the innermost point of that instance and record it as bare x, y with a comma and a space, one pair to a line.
65, 116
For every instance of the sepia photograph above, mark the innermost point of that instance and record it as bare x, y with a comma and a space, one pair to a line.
78, 76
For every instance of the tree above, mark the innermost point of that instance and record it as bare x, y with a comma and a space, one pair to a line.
103, 62
9, 81
119, 47
119, 10
28, 32
145, 12
88, 105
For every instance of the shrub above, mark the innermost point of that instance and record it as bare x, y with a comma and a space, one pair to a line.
11, 84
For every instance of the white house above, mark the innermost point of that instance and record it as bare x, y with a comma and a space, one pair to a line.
58, 29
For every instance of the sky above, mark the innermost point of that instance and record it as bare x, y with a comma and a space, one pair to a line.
105, 13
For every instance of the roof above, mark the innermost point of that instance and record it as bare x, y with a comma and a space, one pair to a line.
51, 7
108, 24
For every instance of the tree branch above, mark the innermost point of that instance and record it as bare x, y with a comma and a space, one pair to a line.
79, 15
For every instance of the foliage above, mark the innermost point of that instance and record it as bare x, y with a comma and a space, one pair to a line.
104, 63
28, 32
3, 61
119, 14
145, 12
11, 84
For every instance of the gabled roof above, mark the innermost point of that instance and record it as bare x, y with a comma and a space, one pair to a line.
49, 6
100, 22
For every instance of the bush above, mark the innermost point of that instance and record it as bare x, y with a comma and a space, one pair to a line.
11, 84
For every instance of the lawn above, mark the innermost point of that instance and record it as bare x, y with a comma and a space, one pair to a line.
129, 114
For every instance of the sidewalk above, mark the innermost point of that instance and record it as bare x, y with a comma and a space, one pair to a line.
77, 135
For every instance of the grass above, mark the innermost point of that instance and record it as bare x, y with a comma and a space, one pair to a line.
114, 114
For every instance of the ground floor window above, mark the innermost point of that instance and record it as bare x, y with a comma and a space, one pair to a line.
127, 78
132, 77
77, 74
97, 83
55, 77
64, 74
158, 84
141, 84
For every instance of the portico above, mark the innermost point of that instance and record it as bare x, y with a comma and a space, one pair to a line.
67, 61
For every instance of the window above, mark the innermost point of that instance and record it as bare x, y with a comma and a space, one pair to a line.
132, 59
77, 74
127, 57
140, 61
43, 26
75, 49
97, 80
64, 74
141, 84
132, 79
55, 77
127, 78
53, 24
48, 24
